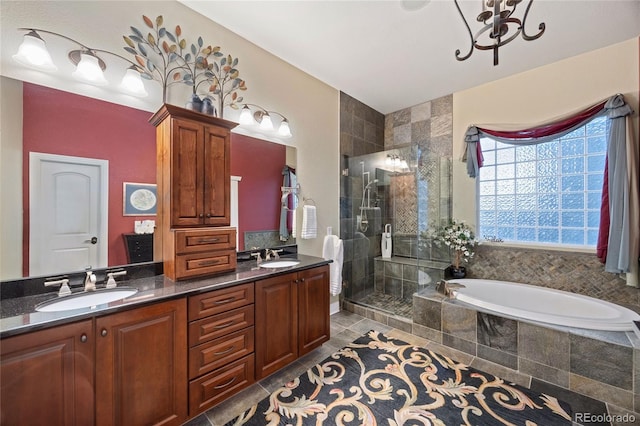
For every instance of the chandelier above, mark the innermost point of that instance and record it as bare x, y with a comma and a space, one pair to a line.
500, 27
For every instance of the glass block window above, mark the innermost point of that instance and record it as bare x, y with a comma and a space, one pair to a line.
548, 193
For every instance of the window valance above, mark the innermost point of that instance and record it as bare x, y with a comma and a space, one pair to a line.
619, 235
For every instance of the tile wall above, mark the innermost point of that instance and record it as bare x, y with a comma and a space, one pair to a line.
361, 132
580, 273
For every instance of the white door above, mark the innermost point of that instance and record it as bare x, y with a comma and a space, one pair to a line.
68, 203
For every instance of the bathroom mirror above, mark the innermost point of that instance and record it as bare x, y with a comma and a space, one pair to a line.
259, 181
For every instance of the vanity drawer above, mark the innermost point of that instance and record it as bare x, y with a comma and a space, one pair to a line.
208, 390
215, 326
205, 239
216, 353
197, 264
218, 301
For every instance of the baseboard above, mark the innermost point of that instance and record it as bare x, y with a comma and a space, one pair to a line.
334, 308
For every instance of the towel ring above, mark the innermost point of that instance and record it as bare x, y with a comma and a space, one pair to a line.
308, 200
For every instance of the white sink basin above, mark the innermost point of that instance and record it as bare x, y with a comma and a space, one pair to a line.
279, 264
86, 300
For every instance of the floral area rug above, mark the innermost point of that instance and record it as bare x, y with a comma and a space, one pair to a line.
376, 380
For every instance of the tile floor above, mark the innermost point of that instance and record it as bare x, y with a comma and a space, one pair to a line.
345, 327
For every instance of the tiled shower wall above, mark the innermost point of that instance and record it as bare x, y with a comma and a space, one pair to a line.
361, 132
580, 273
427, 126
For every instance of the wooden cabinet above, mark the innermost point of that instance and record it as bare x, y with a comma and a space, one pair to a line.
138, 358
194, 163
313, 309
194, 188
276, 323
221, 345
204, 251
141, 366
47, 376
292, 317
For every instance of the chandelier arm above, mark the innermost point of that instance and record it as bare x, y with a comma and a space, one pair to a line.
541, 27
458, 57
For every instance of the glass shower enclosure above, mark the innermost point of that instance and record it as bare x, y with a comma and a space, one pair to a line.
408, 191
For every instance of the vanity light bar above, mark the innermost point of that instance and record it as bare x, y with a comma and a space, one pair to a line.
262, 118
33, 53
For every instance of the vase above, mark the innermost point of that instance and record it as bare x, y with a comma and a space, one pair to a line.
207, 107
194, 103
453, 272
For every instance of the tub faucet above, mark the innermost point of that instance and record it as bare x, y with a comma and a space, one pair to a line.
443, 287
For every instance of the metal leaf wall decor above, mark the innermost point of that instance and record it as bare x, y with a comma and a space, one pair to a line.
168, 58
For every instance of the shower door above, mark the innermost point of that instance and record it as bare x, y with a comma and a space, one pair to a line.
408, 190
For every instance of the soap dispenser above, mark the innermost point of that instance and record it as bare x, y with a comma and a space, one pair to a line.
385, 242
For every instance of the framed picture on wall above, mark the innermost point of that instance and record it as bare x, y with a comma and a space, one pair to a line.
139, 199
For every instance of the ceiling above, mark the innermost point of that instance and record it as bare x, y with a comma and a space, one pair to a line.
394, 54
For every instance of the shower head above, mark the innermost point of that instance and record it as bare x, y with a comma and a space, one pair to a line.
371, 183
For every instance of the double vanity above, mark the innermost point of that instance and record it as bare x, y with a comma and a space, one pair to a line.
162, 349
164, 354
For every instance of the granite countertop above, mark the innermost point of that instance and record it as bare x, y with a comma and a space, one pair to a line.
18, 315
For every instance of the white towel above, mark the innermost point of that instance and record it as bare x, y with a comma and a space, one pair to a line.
332, 249
294, 223
309, 223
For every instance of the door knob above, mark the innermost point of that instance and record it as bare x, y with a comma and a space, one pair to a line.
93, 240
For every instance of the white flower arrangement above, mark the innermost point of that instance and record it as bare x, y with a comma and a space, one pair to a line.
459, 237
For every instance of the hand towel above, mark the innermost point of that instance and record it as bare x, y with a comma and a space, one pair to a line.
309, 223
294, 223
333, 250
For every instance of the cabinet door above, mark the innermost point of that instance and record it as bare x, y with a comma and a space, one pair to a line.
141, 359
217, 175
47, 377
276, 324
187, 173
313, 309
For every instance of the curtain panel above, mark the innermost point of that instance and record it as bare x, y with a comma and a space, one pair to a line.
619, 234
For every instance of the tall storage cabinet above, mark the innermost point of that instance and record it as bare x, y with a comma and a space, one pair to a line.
193, 178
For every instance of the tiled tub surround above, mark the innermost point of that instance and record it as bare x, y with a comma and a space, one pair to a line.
602, 365
580, 273
401, 277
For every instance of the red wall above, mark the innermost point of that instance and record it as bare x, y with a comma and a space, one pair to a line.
259, 163
57, 122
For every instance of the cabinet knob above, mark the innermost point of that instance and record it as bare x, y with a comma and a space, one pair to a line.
208, 214
200, 215
301, 280
103, 333
84, 338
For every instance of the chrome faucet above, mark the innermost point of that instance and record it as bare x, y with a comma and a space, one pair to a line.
111, 281
90, 281
270, 252
64, 286
257, 256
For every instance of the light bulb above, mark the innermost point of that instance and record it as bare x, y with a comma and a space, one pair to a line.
89, 71
246, 118
33, 53
284, 129
266, 123
132, 83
